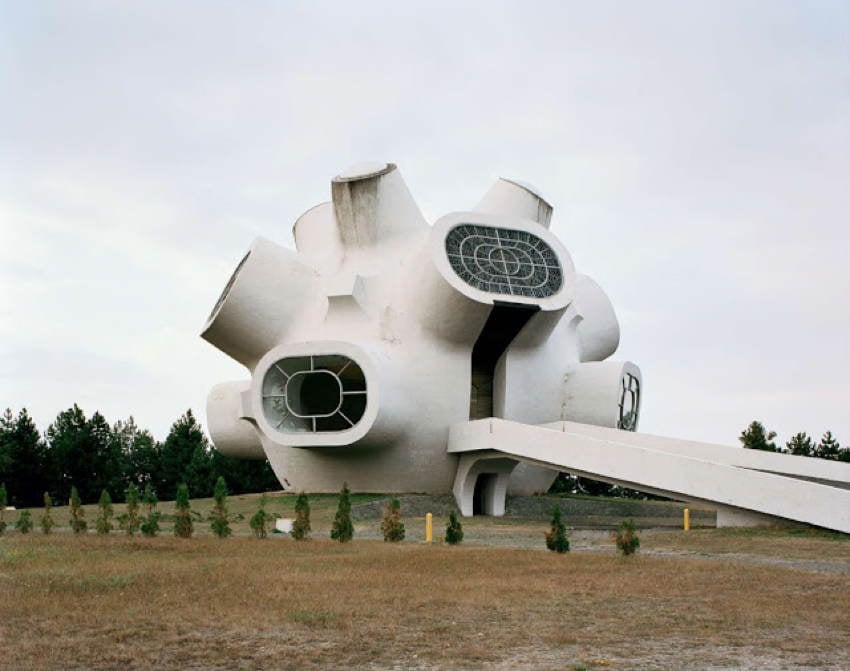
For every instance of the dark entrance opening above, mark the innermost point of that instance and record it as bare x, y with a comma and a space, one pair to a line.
482, 484
504, 323
313, 393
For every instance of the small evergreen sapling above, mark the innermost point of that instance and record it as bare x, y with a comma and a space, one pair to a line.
454, 530
46, 522
301, 525
218, 518
556, 537
391, 524
261, 520
24, 522
828, 447
150, 522
103, 524
3, 502
78, 515
130, 521
342, 529
626, 538
183, 526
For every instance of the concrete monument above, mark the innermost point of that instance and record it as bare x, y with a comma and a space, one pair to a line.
465, 356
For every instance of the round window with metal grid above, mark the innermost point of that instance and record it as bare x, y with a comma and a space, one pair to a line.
504, 261
314, 394
629, 402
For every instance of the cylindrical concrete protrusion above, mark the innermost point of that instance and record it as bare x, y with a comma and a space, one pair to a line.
374, 209
317, 238
440, 308
602, 393
516, 199
267, 293
599, 331
232, 435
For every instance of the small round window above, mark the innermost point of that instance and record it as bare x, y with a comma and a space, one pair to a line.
314, 394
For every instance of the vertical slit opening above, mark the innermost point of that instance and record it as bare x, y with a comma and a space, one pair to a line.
504, 323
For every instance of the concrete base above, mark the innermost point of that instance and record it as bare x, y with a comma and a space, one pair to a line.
727, 516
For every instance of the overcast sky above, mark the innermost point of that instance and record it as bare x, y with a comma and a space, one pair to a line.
697, 156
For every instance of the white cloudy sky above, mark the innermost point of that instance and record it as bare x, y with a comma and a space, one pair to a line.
697, 155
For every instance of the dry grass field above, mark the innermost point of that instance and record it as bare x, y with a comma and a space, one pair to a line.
708, 599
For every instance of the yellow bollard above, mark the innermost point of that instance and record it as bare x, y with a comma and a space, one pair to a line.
429, 528
687, 519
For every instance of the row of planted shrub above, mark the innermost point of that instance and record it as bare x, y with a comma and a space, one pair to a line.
142, 516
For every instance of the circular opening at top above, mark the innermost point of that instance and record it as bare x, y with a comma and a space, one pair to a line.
364, 171
313, 394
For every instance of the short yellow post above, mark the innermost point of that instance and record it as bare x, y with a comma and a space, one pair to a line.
687, 519
429, 528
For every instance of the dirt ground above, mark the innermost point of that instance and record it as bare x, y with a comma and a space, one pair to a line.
706, 599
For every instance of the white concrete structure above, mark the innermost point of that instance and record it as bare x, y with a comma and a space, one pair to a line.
382, 332
746, 486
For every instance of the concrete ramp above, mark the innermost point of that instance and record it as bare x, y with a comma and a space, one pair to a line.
746, 486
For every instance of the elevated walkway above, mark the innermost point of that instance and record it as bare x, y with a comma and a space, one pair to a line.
746, 486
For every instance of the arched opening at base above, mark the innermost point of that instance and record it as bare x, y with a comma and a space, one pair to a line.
481, 497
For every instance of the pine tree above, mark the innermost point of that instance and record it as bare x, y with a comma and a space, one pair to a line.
130, 521
342, 529
46, 521
800, 444
24, 522
261, 520
27, 466
3, 502
828, 447
454, 530
301, 525
219, 520
185, 458
626, 538
150, 522
103, 524
556, 537
756, 437
391, 524
78, 522
183, 526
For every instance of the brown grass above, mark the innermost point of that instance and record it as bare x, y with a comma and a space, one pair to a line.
89, 602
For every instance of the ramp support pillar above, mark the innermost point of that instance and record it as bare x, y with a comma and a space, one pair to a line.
470, 467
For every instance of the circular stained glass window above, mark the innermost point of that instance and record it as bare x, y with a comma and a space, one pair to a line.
314, 394
504, 261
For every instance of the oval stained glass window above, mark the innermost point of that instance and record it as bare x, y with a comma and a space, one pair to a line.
314, 394
504, 261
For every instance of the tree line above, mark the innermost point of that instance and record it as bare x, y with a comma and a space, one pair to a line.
92, 455
756, 437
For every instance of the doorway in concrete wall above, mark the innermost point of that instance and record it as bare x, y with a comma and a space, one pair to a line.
484, 484
504, 323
